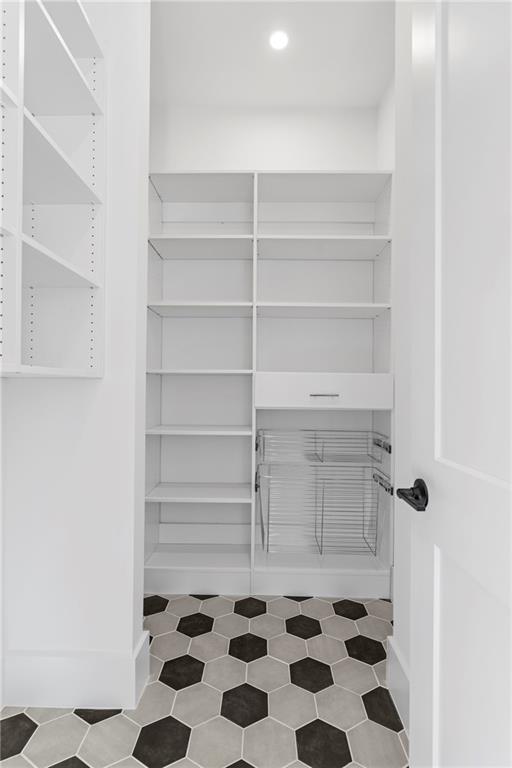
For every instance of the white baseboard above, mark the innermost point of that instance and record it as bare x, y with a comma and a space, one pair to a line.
89, 679
398, 680
169, 581
349, 583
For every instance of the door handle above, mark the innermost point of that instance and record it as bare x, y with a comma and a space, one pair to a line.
417, 496
324, 394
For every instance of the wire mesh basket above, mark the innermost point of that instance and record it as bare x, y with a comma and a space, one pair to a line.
324, 446
320, 490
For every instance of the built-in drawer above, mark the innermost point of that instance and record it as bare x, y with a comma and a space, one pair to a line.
364, 391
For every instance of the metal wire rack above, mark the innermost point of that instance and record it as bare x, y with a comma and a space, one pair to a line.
320, 491
323, 446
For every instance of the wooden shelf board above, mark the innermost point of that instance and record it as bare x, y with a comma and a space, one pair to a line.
192, 558
322, 247
54, 83
321, 310
43, 267
200, 371
71, 20
7, 97
206, 430
33, 371
49, 177
198, 493
201, 309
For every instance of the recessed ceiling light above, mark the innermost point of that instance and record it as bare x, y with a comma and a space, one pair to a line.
278, 40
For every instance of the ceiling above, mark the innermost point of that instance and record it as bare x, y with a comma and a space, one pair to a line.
217, 53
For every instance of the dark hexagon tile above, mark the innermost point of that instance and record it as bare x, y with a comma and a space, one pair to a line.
350, 609
365, 649
181, 672
203, 597
320, 745
247, 647
250, 607
93, 716
71, 762
298, 599
381, 709
195, 624
303, 626
311, 674
154, 604
162, 742
240, 764
244, 705
15, 732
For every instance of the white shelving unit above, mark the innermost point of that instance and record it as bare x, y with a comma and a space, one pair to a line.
269, 306
52, 184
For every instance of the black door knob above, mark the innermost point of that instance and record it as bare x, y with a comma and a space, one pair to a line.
417, 496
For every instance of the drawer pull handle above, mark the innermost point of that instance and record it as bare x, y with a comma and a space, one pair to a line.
324, 394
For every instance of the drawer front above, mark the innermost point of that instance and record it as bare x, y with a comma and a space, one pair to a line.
364, 391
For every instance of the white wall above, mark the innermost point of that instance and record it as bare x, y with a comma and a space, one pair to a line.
263, 138
73, 451
386, 129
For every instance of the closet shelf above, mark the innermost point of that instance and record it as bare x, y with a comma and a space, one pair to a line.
201, 309
206, 557
198, 493
49, 372
200, 371
7, 230
74, 26
357, 311
303, 562
209, 430
7, 97
54, 83
322, 247
44, 268
49, 177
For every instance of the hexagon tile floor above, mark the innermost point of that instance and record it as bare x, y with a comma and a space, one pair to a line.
236, 682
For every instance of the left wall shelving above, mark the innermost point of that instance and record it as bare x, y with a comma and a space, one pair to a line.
53, 171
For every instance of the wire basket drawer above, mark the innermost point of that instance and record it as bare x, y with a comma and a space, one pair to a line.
321, 446
318, 508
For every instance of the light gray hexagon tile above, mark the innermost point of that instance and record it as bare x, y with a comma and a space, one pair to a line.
339, 627
197, 704
129, 762
327, 649
380, 608
374, 746
160, 623
156, 702
10, 711
269, 744
287, 648
18, 761
155, 667
224, 673
170, 646
316, 608
267, 626
371, 626
231, 625
42, 715
55, 741
215, 744
292, 706
268, 673
217, 606
340, 707
183, 606
381, 670
354, 675
209, 646
109, 741
283, 608
405, 741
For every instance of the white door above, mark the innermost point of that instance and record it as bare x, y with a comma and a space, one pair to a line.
453, 370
